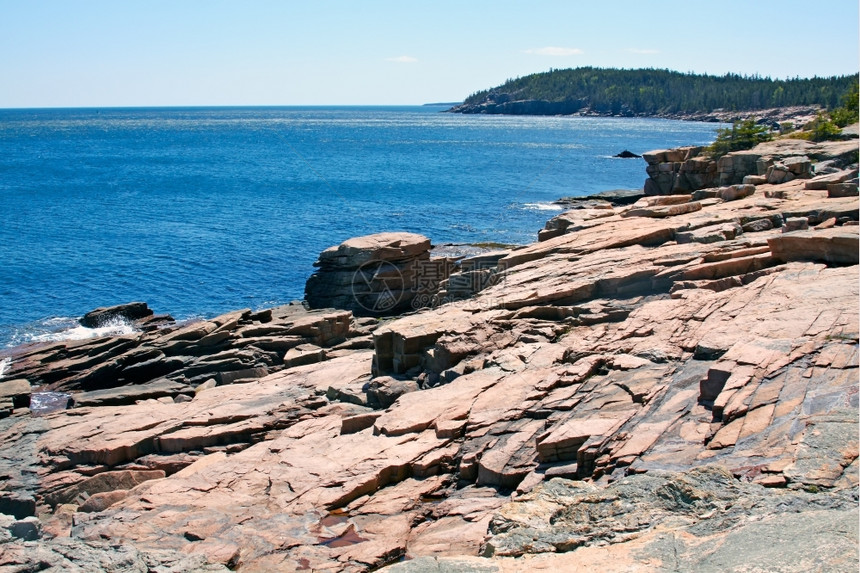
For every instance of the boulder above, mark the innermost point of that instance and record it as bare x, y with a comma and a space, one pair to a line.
603, 200
206, 385
304, 354
758, 226
735, 192
795, 224
800, 166
698, 172
754, 180
376, 275
383, 391
779, 173
564, 441
128, 312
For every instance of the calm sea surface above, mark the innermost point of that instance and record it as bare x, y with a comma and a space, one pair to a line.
203, 210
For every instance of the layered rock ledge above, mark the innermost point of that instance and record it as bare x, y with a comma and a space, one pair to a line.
667, 385
687, 169
375, 275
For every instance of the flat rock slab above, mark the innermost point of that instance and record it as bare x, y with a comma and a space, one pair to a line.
129, 394
354, 252
839, 245
661, 212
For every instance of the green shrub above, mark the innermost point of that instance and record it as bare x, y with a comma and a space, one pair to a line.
822, 129
848, 113
741, 135
842, 117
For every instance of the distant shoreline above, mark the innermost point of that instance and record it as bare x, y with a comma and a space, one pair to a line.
797, 114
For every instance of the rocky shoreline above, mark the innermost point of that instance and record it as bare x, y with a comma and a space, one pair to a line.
670, 384
798, 115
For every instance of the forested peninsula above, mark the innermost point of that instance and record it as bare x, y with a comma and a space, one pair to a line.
652, 93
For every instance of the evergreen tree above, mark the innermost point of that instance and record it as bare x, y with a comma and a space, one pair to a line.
655, 92
848, 113
741, 135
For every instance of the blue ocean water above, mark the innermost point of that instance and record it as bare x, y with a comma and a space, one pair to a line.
203, 210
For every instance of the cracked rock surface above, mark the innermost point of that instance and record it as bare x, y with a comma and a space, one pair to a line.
643, 390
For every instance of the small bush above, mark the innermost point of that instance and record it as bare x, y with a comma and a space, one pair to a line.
786, 127
842, 117
849, 112
822, 129
741, 135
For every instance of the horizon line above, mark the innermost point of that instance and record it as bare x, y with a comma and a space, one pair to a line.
224, 106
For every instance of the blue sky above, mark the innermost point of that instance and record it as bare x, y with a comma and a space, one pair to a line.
331, 52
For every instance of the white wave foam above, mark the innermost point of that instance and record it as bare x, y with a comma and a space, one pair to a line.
543, 207
60, 329
4, 366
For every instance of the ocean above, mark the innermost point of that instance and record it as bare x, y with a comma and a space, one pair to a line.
199, 211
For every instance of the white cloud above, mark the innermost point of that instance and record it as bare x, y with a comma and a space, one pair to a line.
402, 60
555, 51
642, 51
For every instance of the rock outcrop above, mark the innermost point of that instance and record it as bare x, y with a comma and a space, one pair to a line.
679, 170
129, 312
626, 155
663, 387
376, 275
171, 361
686, 169
702, 520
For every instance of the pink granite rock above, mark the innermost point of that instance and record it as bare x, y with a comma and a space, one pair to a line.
715, 368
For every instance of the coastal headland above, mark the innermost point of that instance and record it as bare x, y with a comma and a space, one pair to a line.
667, 94
665, 385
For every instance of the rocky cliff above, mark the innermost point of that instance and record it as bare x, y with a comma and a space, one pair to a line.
687, 169
669, 385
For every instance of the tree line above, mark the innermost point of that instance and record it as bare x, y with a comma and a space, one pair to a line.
657, 92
